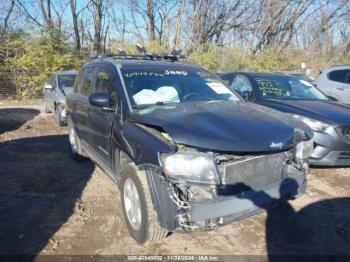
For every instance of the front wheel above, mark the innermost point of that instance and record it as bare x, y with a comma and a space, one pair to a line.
138, 210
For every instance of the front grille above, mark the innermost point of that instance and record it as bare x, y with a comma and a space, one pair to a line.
255, 171
344, 131
344, 156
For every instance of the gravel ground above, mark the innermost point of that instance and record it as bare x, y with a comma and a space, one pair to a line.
50, 204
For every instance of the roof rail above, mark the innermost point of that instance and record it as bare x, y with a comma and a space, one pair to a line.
148, 56
175, 55
340, 65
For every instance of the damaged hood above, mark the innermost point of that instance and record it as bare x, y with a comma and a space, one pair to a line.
223, 126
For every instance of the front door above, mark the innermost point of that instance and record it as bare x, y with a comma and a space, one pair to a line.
101, 119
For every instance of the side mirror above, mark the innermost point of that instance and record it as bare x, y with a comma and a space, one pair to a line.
47, 86
102, 100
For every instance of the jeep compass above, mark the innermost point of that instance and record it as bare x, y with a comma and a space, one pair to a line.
185, 151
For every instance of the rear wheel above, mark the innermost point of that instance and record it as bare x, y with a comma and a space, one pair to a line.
139, 214
74, 142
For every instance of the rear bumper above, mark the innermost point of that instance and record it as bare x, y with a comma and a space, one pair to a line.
226, 209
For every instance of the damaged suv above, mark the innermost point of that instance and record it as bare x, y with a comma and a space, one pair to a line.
186, 152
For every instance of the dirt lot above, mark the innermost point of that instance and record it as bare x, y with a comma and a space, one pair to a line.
50, 204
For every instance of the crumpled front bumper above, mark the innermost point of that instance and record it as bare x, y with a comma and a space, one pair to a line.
224, 209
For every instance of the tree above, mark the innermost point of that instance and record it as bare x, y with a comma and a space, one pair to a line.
8, 14
150, 20
178, 23
97, 13
46, 13
73, 6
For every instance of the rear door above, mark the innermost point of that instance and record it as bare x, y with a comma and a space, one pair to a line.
340, 87
101, 119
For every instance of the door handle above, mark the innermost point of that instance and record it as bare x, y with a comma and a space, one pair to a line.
340, 88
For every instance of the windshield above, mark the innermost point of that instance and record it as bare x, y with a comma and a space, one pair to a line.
302, 76
280, 87
66, 81
158, 86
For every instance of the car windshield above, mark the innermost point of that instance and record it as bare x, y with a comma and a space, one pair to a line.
159, 86
302, 77
66, 81
280, 87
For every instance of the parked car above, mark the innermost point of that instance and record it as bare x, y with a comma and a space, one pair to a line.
329, 120
185, 150
335, 82
55, 91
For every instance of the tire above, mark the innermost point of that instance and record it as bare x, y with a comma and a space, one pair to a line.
146, 229
59, 120
75, 149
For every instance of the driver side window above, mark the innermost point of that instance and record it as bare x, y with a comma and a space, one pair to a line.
105, 82
242, 85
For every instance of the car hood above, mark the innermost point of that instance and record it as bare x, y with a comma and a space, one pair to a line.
224, 126
326, 111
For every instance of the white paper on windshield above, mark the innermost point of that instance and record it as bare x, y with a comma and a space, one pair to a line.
306, 83
218, 87
162, 94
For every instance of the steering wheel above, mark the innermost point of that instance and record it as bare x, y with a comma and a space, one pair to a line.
193, 94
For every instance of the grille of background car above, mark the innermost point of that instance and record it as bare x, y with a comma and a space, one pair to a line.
344, 131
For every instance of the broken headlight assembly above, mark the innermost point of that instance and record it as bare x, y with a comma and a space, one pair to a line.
304, 149
191, 167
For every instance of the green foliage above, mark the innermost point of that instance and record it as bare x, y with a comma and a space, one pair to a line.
33, 59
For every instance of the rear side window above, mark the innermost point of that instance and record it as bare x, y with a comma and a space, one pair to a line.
105, 82
339, 75
89, 77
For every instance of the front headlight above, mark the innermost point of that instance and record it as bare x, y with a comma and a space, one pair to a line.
198, 168
304, 149
314, 124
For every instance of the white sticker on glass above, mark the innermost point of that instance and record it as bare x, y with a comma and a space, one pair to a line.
219, 88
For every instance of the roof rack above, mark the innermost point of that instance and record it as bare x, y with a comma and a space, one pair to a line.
340, 65
174, 56
149, 56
